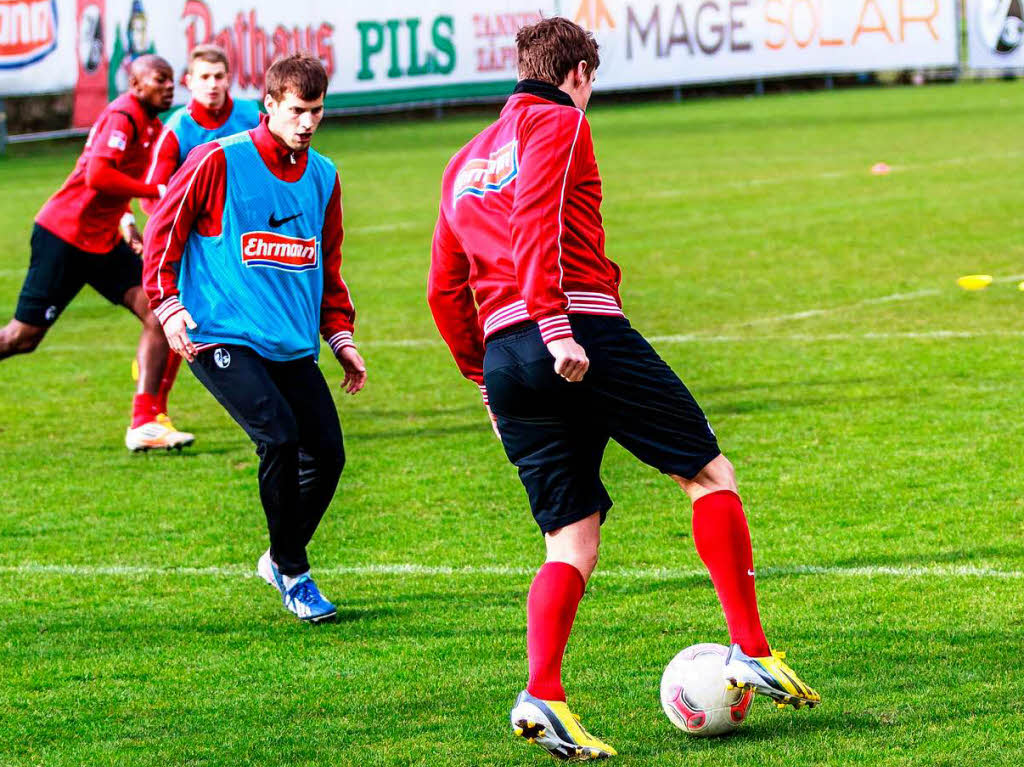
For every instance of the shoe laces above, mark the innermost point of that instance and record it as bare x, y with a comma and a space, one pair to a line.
305, 591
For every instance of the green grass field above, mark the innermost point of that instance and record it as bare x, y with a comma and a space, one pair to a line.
873, 411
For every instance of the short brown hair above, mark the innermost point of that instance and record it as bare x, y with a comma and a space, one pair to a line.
211, 54
550, 49
301, 73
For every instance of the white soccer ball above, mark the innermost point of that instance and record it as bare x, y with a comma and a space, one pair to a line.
694, 694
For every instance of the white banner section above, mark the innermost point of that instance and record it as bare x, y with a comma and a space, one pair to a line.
651, 43
995, 34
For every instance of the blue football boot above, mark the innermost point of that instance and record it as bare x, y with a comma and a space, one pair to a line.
307, 603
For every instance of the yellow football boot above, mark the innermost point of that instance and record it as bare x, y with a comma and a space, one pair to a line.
551, 725
770, 676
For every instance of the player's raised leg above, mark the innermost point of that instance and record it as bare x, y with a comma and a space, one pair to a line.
54, 277
18, 338
722, 538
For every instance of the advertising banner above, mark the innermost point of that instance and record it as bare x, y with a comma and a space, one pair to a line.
37, 46
660, 42
413, 51
385, 52
995, 34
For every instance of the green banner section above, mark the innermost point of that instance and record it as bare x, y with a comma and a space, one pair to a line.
418, 95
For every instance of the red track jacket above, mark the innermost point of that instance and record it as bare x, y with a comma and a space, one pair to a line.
519, 234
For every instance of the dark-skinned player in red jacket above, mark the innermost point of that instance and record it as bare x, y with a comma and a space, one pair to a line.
529, 305
85, 234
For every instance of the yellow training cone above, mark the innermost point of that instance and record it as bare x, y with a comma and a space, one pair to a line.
975, 281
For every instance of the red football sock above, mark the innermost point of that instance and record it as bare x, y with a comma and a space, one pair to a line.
550, 610
170, 373
722, 538
143, 409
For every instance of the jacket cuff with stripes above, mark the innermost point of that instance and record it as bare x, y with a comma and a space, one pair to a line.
554, 327
168, 308
483, 393
340, 340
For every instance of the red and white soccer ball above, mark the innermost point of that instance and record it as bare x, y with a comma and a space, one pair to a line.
694, 694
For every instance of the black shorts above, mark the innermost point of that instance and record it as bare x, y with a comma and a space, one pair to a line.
555, 432
58, 270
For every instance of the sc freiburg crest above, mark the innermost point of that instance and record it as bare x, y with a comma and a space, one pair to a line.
1002, 24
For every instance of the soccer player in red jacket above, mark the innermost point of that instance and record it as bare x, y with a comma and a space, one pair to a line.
529, 305
243, 268
76, 241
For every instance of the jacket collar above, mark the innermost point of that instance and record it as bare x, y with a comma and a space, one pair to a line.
536, 92
544, 90
284, 163
207, 118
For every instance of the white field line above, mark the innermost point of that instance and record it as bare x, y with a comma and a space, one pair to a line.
654, 573
891, 298
393, 227
811, 338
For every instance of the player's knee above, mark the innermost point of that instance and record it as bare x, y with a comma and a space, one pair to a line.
20, 340
332, 460
588, 562
582, 555
282, 440
725, 473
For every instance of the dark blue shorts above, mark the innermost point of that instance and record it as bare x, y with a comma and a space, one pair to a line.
555, 432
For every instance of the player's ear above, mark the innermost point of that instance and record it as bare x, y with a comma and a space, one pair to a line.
581, 73
269, 103
188, 80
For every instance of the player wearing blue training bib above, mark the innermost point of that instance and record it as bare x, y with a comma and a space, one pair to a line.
243, 269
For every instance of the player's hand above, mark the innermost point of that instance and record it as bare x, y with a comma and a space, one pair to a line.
355, 369
570, 359
494, 421
176, 329
133, 237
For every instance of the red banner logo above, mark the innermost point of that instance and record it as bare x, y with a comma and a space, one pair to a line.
28, 31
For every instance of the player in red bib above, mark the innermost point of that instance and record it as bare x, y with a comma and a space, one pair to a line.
524, 295
77, 240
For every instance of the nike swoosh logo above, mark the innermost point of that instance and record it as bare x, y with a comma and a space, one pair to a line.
276, 222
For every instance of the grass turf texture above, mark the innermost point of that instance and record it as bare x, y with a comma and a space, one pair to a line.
875, 452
